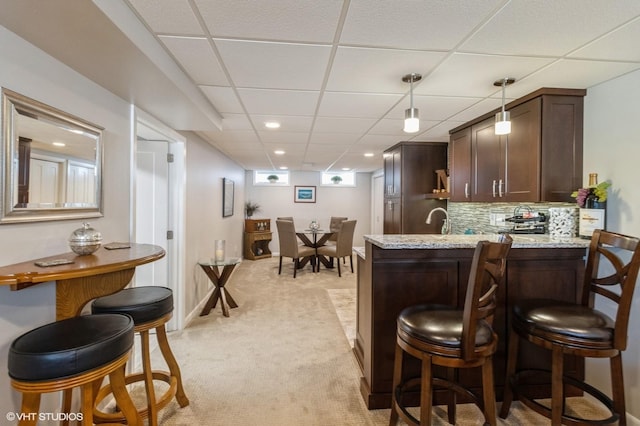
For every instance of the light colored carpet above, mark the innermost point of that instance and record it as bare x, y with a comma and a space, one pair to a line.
282, 357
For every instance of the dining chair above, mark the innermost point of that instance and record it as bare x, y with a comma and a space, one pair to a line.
289, 246
343, 246
452, 337
579, 329
335, 225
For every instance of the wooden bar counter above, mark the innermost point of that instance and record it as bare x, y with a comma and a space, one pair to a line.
99, 274
397, 271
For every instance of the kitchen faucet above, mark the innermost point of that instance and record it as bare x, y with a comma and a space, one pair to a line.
446, 226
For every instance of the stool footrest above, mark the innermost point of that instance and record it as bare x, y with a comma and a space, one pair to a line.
567, 419
117, 416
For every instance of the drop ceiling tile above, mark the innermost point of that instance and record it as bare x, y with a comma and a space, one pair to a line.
577, 74
340, 139
479, 109
625, 39
376, 141
173, 17
405, 24
287, 123
434, 107
289, 20
439, 132
279, 102
235, 122
343, 125
239, 136
274, 65
223, 99
471, 75
288, 148
197, 58
549, 27
284, 137
359, 70
393, 127
358, 105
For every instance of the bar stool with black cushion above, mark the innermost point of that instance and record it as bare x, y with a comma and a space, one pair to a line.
75, 352
150, 307
343, 246
580, 330
451, 337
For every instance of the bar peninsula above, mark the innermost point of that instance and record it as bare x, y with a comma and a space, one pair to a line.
396, 271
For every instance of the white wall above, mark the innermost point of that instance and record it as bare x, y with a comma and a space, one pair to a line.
276, 201
206, 167
612, 149
30, 72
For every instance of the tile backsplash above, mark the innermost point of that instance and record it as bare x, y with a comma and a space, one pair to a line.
475, 217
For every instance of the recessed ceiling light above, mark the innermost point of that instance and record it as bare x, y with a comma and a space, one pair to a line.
283, 168
346, 169
368, 154
272, 125
278, 152
59, 144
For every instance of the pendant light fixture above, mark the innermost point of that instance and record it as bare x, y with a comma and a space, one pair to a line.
503, 123
411, 115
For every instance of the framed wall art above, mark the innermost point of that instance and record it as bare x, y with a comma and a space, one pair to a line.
227, 197
304, 194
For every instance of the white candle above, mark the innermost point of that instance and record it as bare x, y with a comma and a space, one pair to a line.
219, 255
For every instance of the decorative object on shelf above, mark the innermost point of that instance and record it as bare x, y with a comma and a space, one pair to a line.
411, 115
503, 123
304, 194
314, 225
336, 179
227, 197
85, 240
250, 208
219, 250
273, 178
563, 221
592, 201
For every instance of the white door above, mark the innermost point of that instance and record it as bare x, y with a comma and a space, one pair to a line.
152, 209
378, 205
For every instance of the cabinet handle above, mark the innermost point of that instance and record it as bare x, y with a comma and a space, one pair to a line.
493, 188
466, 190
500, 188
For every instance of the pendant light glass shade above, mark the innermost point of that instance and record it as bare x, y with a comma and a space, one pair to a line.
411, 115
411, 120
503, 122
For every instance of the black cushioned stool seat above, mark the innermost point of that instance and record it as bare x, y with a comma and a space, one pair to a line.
150, 307
73, 352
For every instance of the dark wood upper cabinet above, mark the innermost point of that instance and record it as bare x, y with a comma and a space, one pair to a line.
540, 160
409, 175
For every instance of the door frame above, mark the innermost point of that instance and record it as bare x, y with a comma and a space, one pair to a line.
175, 247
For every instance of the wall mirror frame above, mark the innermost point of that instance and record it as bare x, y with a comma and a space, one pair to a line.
50, 163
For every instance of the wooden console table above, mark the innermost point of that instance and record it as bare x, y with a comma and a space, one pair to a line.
257, 236
99, 274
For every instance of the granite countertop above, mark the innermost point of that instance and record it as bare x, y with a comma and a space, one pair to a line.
437, 241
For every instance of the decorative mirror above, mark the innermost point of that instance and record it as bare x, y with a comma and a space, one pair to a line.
51, 166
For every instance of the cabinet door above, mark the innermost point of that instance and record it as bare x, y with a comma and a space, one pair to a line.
392, 216
562, 122
392, 173
521, 177
460, 172
487, 161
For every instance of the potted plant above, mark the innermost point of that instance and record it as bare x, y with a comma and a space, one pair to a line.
336, 179
250, 208
273, 178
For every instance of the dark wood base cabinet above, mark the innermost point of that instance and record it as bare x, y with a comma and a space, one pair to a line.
390, 280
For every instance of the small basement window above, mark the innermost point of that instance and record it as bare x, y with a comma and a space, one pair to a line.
338, 179
280, 177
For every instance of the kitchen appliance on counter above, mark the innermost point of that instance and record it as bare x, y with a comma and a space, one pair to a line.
526, 221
